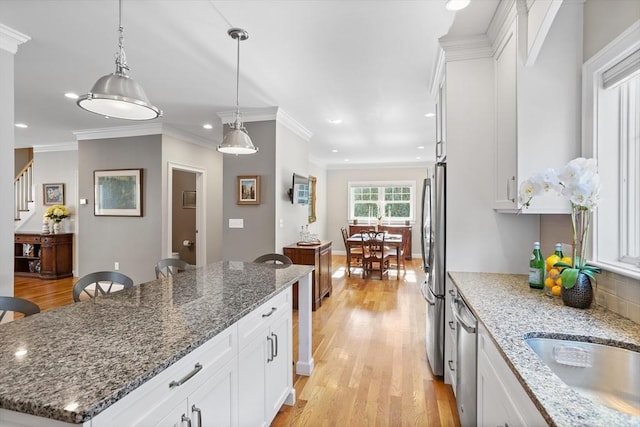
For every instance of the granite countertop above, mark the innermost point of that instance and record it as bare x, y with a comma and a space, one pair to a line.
510, 310
94, 353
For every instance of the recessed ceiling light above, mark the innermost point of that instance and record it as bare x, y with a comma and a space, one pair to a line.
346, 160
430, 115
22, 125
420, 147
71, 95
418, 158
456, 4
334, 151
335, 121
207, 126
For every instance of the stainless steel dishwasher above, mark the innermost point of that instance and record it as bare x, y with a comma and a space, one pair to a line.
466, 364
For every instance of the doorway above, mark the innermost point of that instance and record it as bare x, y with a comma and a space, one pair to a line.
186, 203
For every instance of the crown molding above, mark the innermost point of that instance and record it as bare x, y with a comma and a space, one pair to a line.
438, 73
67, 146
501, 21
465, 48
269, 113
10, 39
143, 130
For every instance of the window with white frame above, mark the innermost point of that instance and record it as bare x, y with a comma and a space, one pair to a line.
612, 136
389, 201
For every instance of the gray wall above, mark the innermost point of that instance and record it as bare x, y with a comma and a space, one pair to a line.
6, 172
258, 235
338, 198
604, 20
134, 242
183, 219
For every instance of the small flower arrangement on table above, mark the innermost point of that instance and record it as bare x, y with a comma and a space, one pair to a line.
57, 213
579, 182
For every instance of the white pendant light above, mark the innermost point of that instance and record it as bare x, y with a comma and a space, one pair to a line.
237, 140
454, 5
117, 95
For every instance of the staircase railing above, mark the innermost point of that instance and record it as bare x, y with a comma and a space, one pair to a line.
23, 189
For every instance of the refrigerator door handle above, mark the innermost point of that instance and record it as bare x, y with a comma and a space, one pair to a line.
430, 298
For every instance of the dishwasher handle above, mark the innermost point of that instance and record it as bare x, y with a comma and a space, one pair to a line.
469, 328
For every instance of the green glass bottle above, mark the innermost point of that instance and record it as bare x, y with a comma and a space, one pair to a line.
536, 268
559, 250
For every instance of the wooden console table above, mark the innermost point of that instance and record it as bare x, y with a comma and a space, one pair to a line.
405, 230
320, 257
47, 256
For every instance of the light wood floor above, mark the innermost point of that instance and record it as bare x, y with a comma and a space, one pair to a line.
368, 347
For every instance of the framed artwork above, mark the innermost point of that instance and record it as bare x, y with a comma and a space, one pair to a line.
188, 199
312, 196
118, 192
53, 194
249, 190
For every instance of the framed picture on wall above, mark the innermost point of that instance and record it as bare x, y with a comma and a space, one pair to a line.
53, 194
118, 192
249, 190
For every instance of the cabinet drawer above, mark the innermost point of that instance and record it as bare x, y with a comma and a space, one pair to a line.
20, 238
253, 323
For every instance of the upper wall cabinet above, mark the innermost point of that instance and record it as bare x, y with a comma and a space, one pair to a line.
537, 66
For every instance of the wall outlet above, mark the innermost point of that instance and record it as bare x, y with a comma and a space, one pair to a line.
116, 266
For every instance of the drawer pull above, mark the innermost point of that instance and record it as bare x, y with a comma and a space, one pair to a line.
450, 363
273, 310
199, 412
185, 419
452, 325
197, 368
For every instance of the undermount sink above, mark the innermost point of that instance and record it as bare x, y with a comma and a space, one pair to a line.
605, 374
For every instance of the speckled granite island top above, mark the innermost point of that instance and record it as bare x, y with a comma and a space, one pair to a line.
510, 311
96, 352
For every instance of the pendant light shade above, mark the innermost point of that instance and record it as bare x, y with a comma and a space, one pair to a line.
117, 95
455, 5
237, 140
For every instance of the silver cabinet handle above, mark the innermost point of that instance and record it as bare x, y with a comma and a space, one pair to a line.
273, 310
509, 186
275, 338
450, 363
469, 328
185, 419
270, 357
197, 368
199, 412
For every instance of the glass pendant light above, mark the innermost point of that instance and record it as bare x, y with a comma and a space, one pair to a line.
237, 140
117, 95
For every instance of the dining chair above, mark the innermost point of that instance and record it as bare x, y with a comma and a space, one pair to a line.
170, 266
17, 305
273, 259
101, 283
355, 252
376, 253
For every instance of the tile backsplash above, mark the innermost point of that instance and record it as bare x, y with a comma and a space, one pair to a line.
619, 294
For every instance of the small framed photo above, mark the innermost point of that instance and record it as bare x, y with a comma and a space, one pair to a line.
53, 194
118, 192
249, 190
188, 199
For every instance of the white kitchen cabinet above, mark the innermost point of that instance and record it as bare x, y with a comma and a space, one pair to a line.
265, 376
537, 104
501, 399
450, 350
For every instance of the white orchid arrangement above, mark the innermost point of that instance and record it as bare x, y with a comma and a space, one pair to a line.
57, 213
579, 182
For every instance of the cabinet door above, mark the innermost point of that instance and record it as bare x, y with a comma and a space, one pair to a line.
251, 382
494, 405
173, 417
279, 365
325, 271
506, 124
214, 404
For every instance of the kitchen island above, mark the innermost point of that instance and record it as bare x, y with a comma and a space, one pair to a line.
509, 311
74, 363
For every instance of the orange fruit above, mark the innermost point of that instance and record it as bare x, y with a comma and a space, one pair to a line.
551, 260
559, 281
566, 260
549, 282
555, 291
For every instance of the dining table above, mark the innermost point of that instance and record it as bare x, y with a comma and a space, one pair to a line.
391, 240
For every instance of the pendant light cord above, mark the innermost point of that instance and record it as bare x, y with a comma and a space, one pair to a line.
238, 78
121, 58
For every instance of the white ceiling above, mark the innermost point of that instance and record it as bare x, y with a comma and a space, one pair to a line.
368, 63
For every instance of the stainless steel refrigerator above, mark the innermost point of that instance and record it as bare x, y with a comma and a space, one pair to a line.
433, 260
